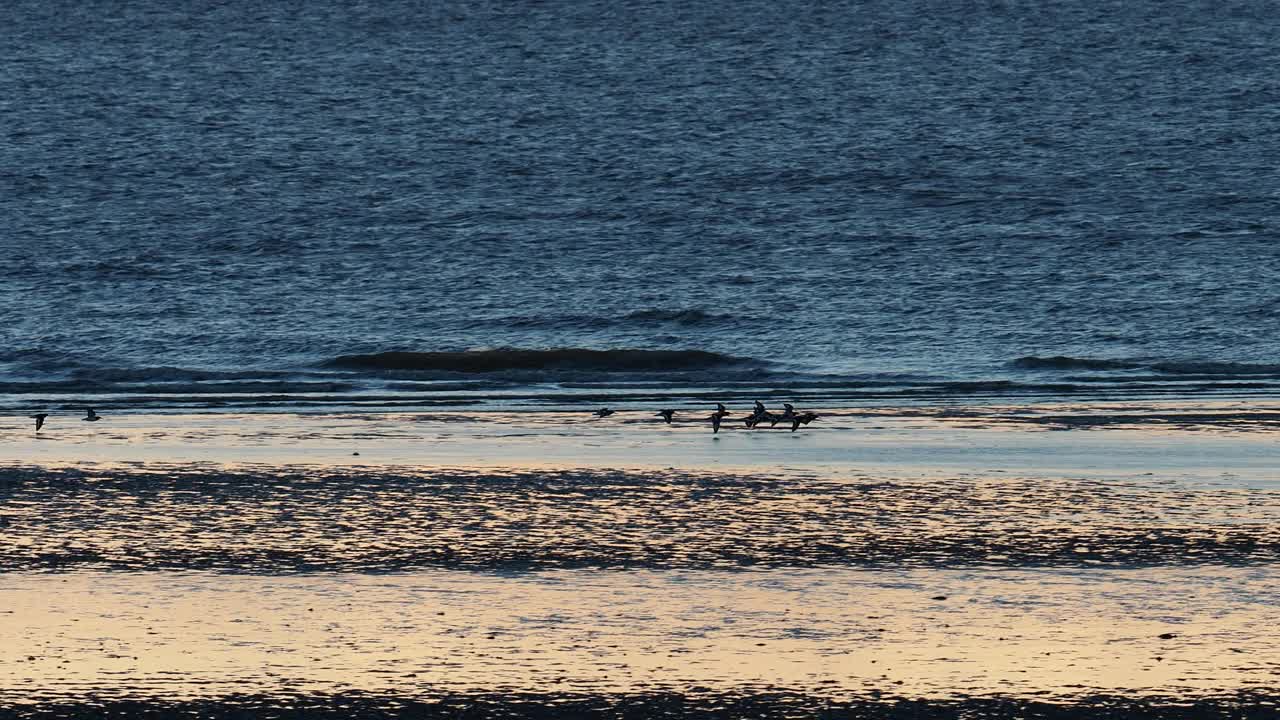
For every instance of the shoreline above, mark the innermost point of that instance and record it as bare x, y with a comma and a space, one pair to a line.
1231, 443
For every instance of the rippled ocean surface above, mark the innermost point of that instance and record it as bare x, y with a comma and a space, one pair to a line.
208, 194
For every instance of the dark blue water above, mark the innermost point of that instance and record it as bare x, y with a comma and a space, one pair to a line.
218, 198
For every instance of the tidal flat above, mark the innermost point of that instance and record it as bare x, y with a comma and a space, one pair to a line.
1074, 560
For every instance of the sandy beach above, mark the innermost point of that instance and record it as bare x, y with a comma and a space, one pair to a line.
1072, 558
829, 632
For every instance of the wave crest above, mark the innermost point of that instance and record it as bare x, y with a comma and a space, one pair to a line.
484, 361
1208, 369
681, 317
1062, 362
168, 374
1217, 368
643, 317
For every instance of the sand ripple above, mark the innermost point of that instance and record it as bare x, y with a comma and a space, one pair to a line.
779, 704
298, 520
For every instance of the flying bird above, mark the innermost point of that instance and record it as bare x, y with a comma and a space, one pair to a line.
786, 416
39, 418
759, 415
91, 416
803, 418
720, 414
666, 415
603, 412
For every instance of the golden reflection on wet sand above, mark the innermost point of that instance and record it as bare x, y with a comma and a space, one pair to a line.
922, 633
283, 520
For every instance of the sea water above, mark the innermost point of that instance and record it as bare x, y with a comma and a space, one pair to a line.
211, 198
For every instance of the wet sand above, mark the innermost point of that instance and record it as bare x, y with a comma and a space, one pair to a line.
827, 632
297, 519
1230, 441
910, 562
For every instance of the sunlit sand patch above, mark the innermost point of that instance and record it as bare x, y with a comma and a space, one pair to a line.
831, 632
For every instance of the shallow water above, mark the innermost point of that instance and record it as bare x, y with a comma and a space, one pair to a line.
1224, 444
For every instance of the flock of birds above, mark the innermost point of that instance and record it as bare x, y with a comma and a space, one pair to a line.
759, 415
89, 416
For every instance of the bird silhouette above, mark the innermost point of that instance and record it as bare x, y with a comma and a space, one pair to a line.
720, 414
803, 418
39, 418
666, 415
91, 416
758, 415
787, 416
603, 412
